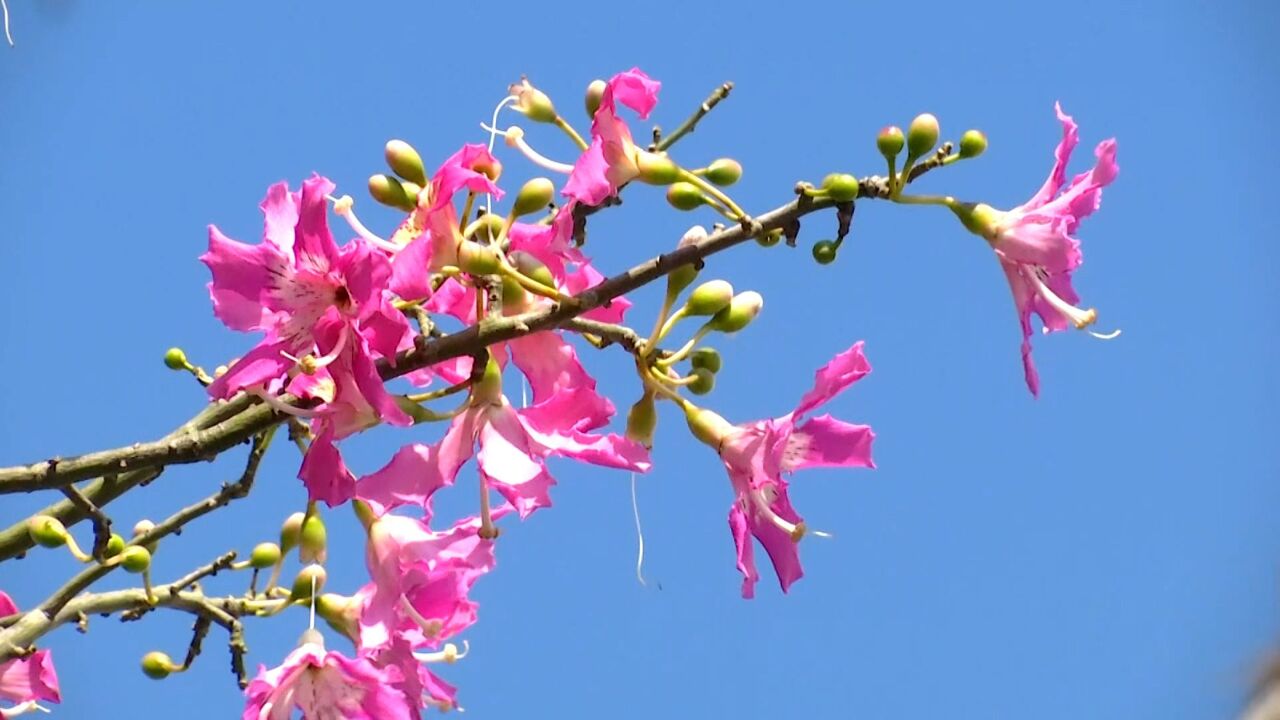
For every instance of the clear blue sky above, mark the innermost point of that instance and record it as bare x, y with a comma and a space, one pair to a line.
1108, 551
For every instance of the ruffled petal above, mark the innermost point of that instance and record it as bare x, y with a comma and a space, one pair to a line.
410, 269
742, 543
825, 441
411, 478
241, 275
507, 460
324, 473
259, 366
313, 244
550, 364
844, 369
280, 216
1061, 156
589, 182
636, 90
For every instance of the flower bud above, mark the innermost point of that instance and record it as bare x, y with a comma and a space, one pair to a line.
406, 162
115, 544
533, 197
709, 298
514, 297
922, 135
310, 580
478, 259
531, 267
890, 141
595, 94
341, 612
704, 381
685, 196
485, 229
769, 239
135, 559
412, 190
157, 665
290, 531
707, 425
145, 526
739, 314
264, 555
706, 357
47, 531
642, 421
978, 218
532, 102
313, 540
973, 143
824, 252
175, 359
724, 172
390, 192
656, 169
841, 187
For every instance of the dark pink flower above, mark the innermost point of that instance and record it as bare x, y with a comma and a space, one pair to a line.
26, 680
610, 161
325, 685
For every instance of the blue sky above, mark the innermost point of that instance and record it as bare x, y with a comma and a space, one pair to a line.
1107, 551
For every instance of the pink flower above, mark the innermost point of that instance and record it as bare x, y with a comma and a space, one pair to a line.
420, 687
1035, 242
610, 161
757, 455
325, 685
26, 680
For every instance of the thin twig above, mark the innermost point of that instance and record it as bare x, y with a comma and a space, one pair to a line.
690, 124
101, 523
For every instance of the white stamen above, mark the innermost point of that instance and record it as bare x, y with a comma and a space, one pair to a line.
336, 351
762, 506
1080, 318
313, 601
430, 627
635, 511
5, 7
449, 654
343, 206
280, 405
515, 138
23, 707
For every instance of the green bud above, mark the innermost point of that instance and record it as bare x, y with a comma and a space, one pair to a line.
478, 259
642, 421
341, 613
656, 169
922, 135
739, 314
290, 531
724, 172
309, 579
841, 187
709, 298
486, 228
972, 143
157, 665
115, 544
135, 559
595, 93
890, 141
47, 531
390, 192
533, 102
531, 267
707, 425
703, 383
313, 540
979, 218
175, 359
824, 251
705, 357
769, 239
264, 555
406, 162
534, 196
513, 295
685, 196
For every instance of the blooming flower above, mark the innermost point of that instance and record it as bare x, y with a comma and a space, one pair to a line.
26, 680
325, 685
758, 454
1035, 242
610, 161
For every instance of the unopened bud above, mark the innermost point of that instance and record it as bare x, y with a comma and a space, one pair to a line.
973, 143
264, 555
478, 259
406, 162
310, 580
824, 252
175, 359
707, 425
391, 192
534, 196
769, 239
704, 381
532, 102
709, 298
313, 540
595, 94
642, 421
706, 357
135, 559
656, 169
290, 531
485, 229
841, 187
739, 314
922, 135
724, 172
115, 544
157, 665
531, 267
143, 526
514, 297
685, 196
890, 141
47, 531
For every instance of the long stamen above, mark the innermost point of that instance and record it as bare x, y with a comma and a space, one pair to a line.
493, 136
761, 503
344, 207
430, 627
5, 6
1080, 318
23, 707
449, 654
515, 139
336, 351
278, 404
635, 511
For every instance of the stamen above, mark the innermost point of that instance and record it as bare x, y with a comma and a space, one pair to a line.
635, 511
515, 139
430, 627
795, 530
343, 206
1080, 318
449, 654
4, 6
23, 707
280, 405
326, 360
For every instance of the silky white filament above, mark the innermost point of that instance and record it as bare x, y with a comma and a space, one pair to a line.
635, 511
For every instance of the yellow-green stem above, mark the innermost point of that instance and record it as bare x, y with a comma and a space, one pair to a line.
573, 134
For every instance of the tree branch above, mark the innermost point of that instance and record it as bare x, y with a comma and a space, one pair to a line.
690, 124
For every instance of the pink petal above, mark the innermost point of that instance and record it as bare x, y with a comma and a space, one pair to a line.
386, 330
457, 173
1023, 297
636, 90
572, 409
366, 272
844, 369
241, 274
589, 183
325, 474
550, 363
746, 551
280, 214
1084, 195
411, 478
827, 442
410, 269
1061, 156
507, 460
7, 605
30, 678
263, 363
586, 277
313, 244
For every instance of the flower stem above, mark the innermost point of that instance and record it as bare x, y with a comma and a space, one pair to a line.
714, 192
573, 134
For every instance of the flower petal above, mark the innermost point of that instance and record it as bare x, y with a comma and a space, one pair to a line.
410, 478
844, 369
825, 441
241, 275
746, 551
324, 473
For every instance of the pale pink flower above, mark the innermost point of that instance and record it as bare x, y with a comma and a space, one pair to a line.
26, 680
610, 161
325, 685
